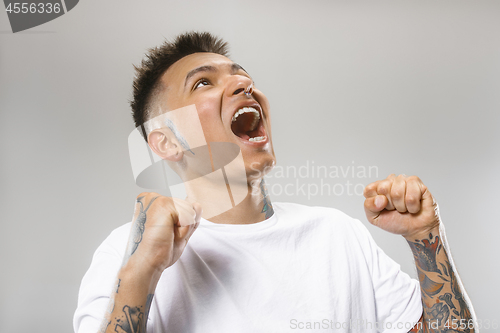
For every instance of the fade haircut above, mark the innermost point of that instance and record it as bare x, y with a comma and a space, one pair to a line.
147, 82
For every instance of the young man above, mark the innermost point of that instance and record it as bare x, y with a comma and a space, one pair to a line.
256, 266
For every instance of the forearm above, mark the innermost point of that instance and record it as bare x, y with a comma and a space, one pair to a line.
161, 229
130, 301
445, 306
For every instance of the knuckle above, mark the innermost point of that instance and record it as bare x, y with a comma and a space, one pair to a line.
411, 199
396, 194
383, 187
164, 202
162, 199
414, 178
367, 190
383, 191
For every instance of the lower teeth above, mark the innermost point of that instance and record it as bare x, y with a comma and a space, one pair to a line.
257, 138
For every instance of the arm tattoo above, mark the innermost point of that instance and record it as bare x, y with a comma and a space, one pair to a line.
441, 294
430, 287
447, 298
139, 223
134, 320
439, 313
425, 255
268, 207
444, 269
464, 309
118, 285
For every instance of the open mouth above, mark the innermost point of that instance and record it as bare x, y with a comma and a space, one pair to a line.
247, 125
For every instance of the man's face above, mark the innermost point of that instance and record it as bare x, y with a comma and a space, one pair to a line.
217, 86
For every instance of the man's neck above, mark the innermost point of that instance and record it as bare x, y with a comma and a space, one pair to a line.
219, 208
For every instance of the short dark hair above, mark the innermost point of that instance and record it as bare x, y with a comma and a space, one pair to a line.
159, 59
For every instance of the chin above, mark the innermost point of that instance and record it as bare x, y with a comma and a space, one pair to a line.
259, 168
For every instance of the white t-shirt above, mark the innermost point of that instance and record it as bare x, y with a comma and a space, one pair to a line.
307, 269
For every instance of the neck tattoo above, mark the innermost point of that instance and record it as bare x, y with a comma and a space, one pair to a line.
268, 207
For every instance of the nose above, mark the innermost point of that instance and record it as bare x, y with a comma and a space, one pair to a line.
239, 84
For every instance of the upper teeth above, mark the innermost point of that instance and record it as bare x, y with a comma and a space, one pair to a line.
246, 110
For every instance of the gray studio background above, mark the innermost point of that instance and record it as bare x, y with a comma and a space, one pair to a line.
405, 86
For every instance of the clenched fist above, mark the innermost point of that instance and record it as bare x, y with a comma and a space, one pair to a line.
402, 205
161, 229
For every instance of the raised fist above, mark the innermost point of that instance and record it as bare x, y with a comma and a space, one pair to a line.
401, 205
161, 229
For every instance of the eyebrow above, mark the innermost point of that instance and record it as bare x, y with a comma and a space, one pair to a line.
207, 68
198, 70
236, 67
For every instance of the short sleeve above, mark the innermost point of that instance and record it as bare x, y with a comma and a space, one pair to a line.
98, 282
397, 296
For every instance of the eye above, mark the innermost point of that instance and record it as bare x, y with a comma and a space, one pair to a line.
201, 82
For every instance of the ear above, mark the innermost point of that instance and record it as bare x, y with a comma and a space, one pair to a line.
164, 144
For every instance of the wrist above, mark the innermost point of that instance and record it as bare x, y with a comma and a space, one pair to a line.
423, 234
141, 275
